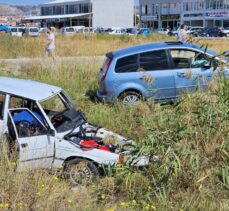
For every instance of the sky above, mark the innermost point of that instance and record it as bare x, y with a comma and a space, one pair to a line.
29, 2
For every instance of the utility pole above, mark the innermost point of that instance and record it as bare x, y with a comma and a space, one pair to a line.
135, 16
90, 16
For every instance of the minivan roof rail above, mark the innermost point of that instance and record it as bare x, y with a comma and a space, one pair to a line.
174, 43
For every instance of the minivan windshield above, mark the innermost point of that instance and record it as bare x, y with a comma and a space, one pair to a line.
61, 113
13, 29
33, 30
69, 29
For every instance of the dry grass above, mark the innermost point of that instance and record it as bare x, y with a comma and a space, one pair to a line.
84, 45
68, 46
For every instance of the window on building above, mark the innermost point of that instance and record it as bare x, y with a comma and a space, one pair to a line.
154, 60
153, 9
45, 11
84, 8
58, 10
164, 9
50, 11
146, 9
2, 105
62, 10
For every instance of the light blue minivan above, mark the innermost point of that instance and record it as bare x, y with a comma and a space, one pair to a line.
155, 71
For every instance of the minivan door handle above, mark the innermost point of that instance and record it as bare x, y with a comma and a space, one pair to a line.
24, 145
181, 75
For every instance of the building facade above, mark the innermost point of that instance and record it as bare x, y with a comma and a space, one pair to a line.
89, 13
204, 13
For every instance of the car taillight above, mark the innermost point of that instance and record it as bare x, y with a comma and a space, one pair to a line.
105, 68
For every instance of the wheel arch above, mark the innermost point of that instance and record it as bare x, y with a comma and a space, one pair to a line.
79, 157
101, 169
131, 90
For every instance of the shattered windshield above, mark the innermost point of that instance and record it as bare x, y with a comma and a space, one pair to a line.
61, 113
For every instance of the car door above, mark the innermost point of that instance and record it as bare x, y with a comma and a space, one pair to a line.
34, 145
2, 113
156, 75
192, 70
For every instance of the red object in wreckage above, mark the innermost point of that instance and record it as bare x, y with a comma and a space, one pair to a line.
90, 144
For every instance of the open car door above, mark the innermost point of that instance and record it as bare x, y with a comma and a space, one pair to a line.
2, 113
35, 145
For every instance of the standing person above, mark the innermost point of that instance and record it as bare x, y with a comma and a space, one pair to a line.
182, 33
50, 44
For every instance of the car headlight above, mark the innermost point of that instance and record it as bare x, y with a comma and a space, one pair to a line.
121, 159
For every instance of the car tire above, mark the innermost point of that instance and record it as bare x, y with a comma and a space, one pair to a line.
130, 98
80, 171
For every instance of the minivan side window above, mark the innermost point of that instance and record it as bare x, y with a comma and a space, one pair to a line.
183, 58
154, 60
127, 64
2, 103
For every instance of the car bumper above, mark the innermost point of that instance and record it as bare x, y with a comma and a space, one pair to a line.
105, 98
140, 161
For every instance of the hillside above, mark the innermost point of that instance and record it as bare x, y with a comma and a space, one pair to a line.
10, 10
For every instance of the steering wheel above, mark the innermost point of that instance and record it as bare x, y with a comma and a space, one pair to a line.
58, 117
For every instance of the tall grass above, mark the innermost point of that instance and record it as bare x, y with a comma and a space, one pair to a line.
84, 45
67, 46
188, 143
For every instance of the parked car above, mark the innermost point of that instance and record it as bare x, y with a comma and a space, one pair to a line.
155, 71
4, 28
32, 31
46, 131
174, 31
69, 31
213, 32
117, 31
144, 31
43, 30
195, 31
17, 31
162, 31
131, 31
79, 29
100, 30
226, 31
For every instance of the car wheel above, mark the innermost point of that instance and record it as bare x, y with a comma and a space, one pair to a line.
80, 171
131, 98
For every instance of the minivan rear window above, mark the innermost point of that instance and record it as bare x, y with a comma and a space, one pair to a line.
127, 64
154, 60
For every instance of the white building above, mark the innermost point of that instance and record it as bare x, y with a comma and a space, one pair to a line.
205, 13
95, 13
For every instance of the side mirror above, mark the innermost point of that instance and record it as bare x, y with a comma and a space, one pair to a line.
51, 132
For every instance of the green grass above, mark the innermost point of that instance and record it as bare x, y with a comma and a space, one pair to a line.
190, 140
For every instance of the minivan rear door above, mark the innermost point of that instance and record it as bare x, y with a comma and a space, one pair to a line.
147, 72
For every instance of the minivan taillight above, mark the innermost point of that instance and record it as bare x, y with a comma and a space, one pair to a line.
105, 68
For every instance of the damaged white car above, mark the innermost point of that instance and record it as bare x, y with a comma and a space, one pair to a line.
46, 131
